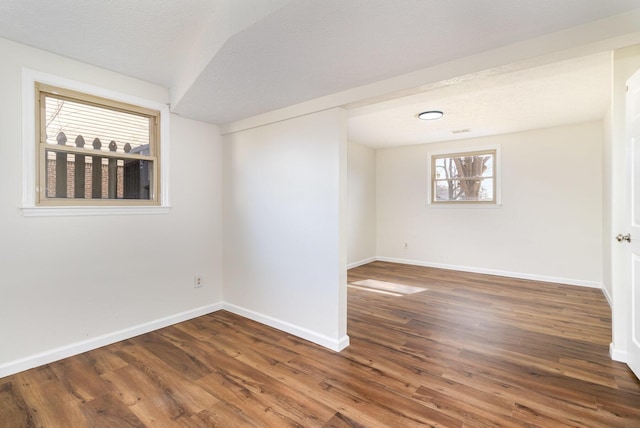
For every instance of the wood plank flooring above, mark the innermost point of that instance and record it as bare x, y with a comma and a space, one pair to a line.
471, 351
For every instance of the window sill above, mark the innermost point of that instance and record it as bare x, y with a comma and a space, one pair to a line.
90, 211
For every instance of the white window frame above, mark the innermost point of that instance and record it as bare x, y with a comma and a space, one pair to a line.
29, 183
466, 204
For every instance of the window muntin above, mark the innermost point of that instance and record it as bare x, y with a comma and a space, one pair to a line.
468, 177
77, 132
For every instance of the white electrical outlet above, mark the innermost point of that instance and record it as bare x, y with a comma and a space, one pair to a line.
197, 281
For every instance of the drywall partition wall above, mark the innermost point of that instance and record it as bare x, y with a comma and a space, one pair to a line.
361, 205
284, 225
68, 284
549, 226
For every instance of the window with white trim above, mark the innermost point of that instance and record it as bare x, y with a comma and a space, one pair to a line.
464, 177
93, 151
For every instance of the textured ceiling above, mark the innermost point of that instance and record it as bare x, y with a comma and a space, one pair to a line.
566, 92
225, 60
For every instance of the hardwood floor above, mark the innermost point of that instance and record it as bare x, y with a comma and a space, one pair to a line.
470, 351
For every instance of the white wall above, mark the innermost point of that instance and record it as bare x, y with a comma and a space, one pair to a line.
361, 204
69, 283
285, 222
549, 226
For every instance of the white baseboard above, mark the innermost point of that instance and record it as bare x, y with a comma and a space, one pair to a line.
76, 348
337, 345
312, 336
617, 355
607, 296
542, 278
361, 262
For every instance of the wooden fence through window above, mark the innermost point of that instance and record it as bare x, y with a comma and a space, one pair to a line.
74, 174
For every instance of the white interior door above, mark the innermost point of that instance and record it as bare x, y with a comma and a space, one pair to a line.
632, 239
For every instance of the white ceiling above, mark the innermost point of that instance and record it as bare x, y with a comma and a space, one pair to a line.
566, 92
147, 39
225, 60
308, 49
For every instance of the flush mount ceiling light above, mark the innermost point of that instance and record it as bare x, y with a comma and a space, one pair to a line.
430, 115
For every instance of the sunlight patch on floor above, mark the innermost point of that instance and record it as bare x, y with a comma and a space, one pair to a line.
383, 287
374, 290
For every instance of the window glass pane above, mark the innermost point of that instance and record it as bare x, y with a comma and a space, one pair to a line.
486, 190
464, 177
445, 191
475, 165
464, 190
445, 168
488, 166
91, 122
95, 177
